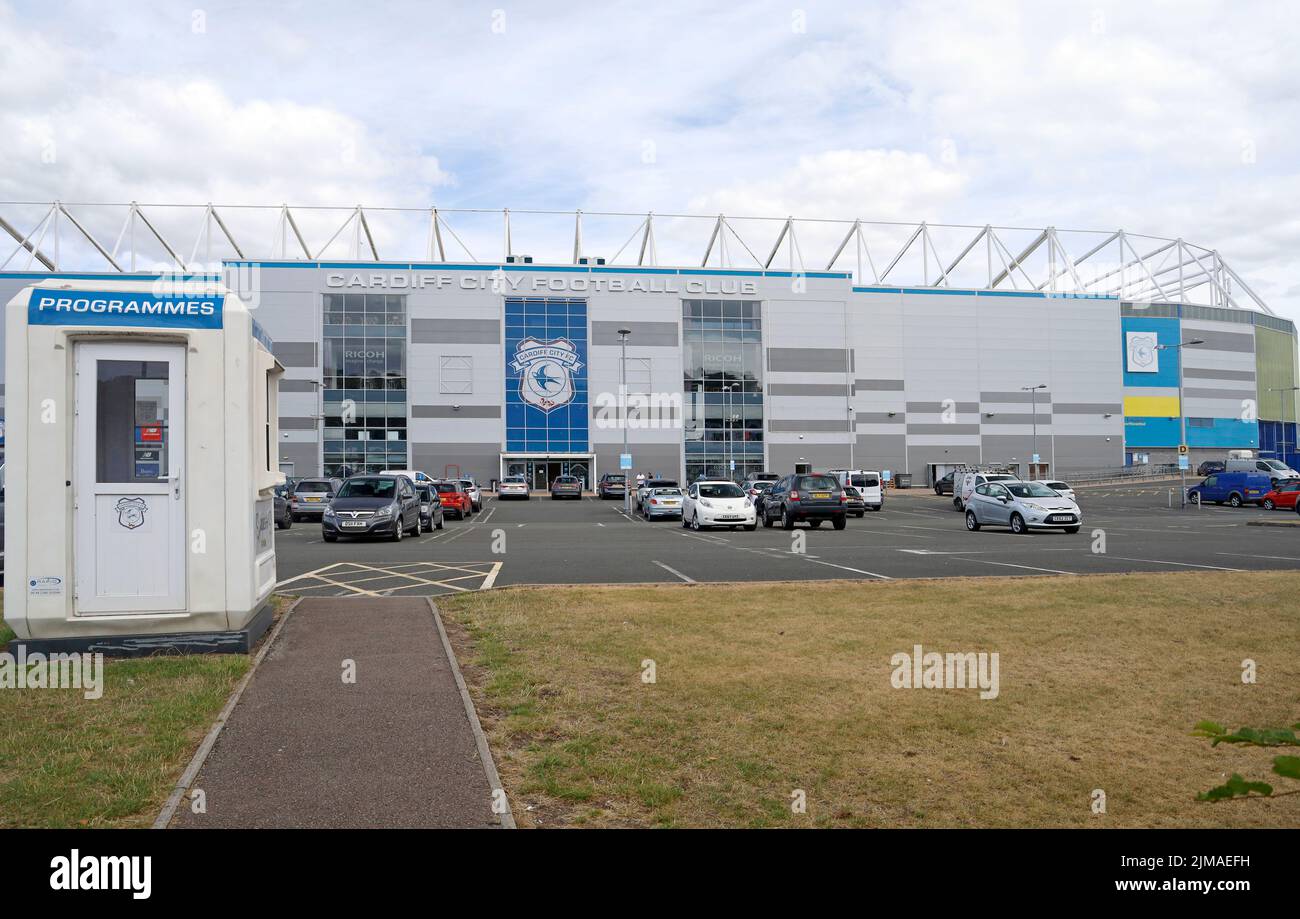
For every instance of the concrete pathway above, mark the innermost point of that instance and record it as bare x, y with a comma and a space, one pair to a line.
303, 748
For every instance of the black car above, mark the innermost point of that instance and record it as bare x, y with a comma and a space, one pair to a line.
758, 494
805, 496
854, 504
611, 485
373, 505
431, 515
1211, 467
943, 486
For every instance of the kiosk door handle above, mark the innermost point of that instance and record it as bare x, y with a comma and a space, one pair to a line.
175, 479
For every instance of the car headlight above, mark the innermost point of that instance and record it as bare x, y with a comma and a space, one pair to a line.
385, 511
329, 511
1034, 507
706, 503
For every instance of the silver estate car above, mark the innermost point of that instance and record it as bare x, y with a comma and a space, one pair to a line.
1022, 506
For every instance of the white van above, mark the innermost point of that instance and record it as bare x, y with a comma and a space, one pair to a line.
412, 474
964, 484
868, 484
1276, 470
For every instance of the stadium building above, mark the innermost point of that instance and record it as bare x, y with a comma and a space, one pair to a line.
909, 348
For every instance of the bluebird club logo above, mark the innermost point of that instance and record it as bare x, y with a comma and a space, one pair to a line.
546, 371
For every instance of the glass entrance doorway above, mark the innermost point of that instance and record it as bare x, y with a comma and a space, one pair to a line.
541, 472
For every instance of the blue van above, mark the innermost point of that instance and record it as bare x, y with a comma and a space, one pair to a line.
1235, 488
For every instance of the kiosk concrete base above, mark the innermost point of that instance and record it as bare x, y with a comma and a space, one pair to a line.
233, 642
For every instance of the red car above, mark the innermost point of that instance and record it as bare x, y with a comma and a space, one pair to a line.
455, 499
1284, 495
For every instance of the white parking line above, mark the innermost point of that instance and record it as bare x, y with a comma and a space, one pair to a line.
981, 561
1158, 561
883, 577
1280, 558
492, 577
674, 571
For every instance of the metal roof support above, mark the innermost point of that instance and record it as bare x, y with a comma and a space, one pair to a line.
708, 250
346, 223
158, 236
435, 238
288, 218
25, 243
901, 252
943, 278
577, 236
505, 213
365, 226
780, 237
1009, 268
86, 233
1019, 260
1123, 238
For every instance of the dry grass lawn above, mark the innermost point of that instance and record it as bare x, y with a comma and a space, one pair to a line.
763, 689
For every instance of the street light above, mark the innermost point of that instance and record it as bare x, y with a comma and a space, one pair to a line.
627, 473
1182, 414
1033, 398
1282, 410
726, 425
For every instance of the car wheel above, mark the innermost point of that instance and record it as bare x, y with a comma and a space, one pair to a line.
1018, 524
972, 522
437, 524
767, 521
419, 527
695, 521
1194, 497
787, 522
839, 522
329, 537
685, 523
397, 531
1234, 500
751, 527
1268, 504
1071, 530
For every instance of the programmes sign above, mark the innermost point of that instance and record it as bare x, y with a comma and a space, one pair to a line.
124, 308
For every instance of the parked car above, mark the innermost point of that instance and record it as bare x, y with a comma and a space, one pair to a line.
1210, 467
662, 502
943, 486
853, 502
1283, 496
1233, 488
965, 483
454, 498
431, 514
373, 505
1056, 485
1022, 506
758, 495
513, 486
283, 516
414, 475
611, 485
566, 486
720, 503
805, 497
311, 495
756, 481
646, 485
1276, 470
475, 495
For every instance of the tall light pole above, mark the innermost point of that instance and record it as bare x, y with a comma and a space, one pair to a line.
1033, 398
1282, 409
726, 426
622, 373
1182, 414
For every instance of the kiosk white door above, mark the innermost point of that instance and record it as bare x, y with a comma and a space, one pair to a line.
129, 492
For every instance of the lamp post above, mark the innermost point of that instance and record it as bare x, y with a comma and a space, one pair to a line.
622, 374
726, 425
1282, 411
1033, 398
1182, 414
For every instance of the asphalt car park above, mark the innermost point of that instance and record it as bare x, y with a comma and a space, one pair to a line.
917, 535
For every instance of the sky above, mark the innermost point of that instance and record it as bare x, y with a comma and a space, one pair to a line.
1170, 119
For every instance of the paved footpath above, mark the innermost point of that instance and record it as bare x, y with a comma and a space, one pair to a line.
303, 748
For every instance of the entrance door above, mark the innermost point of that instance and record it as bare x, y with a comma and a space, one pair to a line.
129, 450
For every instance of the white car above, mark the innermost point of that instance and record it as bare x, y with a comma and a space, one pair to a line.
1056, 485
513, 486
718, 504
475, 496
1022, 506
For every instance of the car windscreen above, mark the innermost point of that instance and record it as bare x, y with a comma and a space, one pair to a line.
514, 480
368, 488
1274, 464
816, 483
721, 490
468, 483
661, 483
312, 486
447, 488
1030, 490
615, 478
1057, 485
671, 492
864, 481
566, 479
425, 493
999, 478
851, 491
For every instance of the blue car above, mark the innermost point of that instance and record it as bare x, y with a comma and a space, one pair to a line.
1233, 488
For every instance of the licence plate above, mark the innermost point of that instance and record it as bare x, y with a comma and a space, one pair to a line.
821, 494
1061, 518
312, 499
354, 523
670, 504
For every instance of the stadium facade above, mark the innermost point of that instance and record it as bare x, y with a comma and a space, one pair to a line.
513, 367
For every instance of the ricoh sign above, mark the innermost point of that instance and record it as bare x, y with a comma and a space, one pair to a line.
516, 284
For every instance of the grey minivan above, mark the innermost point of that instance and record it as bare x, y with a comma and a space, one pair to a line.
373, 505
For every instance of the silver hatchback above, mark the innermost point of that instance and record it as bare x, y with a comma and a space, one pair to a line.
1022, 506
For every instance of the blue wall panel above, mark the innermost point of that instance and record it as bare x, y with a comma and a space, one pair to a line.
546, 375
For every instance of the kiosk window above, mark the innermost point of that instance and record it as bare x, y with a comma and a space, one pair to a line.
131, 425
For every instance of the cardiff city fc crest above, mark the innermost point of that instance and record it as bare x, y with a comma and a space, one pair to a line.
130, 512
1143, 352
546, 370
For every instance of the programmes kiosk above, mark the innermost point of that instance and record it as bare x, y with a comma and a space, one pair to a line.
142, 459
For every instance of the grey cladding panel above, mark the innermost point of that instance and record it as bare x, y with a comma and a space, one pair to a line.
456, 331
296, 353
807, 360
644, 334
450, 411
